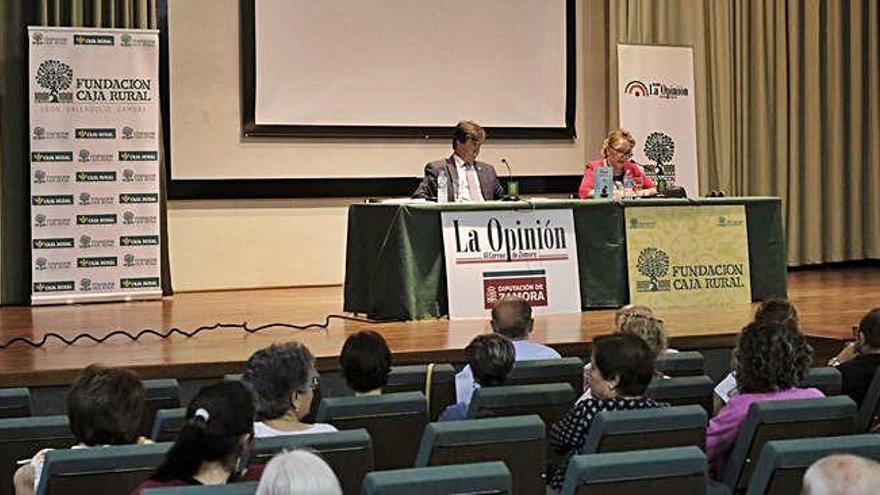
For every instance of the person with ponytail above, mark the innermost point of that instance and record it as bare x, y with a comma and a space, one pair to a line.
212, 446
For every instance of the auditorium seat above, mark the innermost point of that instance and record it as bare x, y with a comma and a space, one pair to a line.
683, 390
569, 370
21, 438
827, 379
229, 489
548, 400
116, 469
671, 470
685, 363
15, 402
161, 394
413, 379
639, 429
519, 441
782, 420
167, 424
348, 452
395, 423
485, 478
782, 463
869, 412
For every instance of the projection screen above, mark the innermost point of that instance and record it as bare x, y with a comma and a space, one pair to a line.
408, 67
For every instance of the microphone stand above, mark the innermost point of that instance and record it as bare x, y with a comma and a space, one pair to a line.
510, 197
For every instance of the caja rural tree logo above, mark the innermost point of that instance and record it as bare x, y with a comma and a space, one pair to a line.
654, 264
54, 76
660, 148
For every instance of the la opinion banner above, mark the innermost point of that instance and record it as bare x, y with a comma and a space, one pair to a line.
493, 254
687, 255
656, 103
94, 130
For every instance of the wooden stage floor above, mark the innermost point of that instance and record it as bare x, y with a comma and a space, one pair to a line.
830, 301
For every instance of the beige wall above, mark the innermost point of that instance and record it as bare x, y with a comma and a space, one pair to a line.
239, 244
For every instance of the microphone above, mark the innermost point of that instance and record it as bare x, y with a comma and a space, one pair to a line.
512, 187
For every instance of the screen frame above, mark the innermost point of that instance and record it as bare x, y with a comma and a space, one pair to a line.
250, 128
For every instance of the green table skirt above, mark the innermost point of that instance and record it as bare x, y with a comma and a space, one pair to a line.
395, 266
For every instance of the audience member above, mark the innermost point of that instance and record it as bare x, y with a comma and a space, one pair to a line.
623, 366
105, 407
511, 317
641, 322
778, 311
770, 360
858, 360
770, 311
213, 444
365, 362
648, 328
283, 379
490, 357
842, 474
298, 473
627, 310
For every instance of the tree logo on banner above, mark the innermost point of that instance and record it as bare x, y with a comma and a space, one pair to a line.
654, 264
660, 148
54, 76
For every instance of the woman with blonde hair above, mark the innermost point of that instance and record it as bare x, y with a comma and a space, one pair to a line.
617, 154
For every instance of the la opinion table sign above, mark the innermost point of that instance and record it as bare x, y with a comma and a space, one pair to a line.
494, 254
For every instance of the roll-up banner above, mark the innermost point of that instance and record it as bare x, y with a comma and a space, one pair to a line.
94, 135
656, 103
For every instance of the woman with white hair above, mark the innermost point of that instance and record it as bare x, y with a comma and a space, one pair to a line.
299, 472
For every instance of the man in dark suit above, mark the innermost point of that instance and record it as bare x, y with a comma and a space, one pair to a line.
469, 180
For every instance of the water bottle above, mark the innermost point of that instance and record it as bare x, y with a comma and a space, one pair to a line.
627, 187
442, 187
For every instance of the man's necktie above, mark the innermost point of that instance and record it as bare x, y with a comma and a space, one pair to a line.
473, 181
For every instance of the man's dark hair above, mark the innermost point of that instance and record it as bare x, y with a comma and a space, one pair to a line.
216, 419
512, 317
105, 406
870, 328
778, 311
466, 130
627, 357
770, 357
365, 361
275, 373
490, 357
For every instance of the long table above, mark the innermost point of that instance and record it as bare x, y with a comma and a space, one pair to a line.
395, 266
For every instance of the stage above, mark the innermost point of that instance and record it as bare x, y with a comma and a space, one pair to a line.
830, 301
